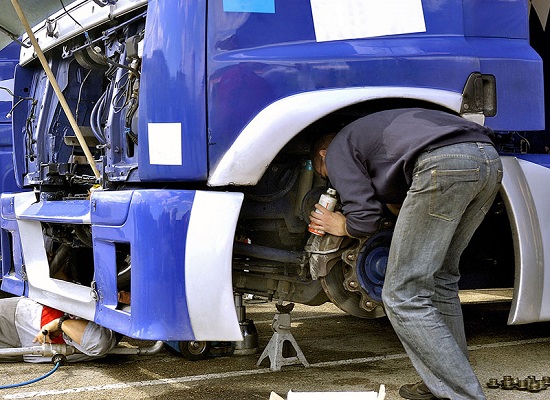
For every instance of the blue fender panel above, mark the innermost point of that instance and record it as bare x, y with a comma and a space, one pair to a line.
180, 263
172, 115
156, 229
12, 282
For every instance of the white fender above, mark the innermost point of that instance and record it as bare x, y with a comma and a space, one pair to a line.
246, 160
525, 191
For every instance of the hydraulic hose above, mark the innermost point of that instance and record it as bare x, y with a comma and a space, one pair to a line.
59, 358
57, 364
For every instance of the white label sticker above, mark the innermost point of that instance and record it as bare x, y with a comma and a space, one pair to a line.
353, 19
165, 143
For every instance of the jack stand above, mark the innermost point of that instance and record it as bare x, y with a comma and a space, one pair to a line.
249, 344
282, 336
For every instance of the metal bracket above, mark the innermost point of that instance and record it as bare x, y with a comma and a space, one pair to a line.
51, 29
103, 3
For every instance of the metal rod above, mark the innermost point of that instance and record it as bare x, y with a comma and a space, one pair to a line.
21, 351
268, 253
45, 350
56, 87
48, 349
154, 349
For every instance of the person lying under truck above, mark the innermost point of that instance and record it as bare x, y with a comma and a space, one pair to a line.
23, 323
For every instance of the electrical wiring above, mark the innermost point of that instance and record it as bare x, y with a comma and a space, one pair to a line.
28, 123
95, 117
120, 99
80, 94
21, 99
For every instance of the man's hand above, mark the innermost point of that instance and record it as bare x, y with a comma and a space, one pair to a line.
124, 297
73, 328
328, 221
52, 332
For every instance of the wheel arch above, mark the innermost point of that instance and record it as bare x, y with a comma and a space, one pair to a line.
262, 139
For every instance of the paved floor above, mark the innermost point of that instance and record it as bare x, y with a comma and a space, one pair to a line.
345, 354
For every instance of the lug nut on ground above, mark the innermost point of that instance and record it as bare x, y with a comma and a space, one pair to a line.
530, 383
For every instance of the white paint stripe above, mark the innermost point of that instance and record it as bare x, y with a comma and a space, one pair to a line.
507, 344
156, 382
234, 374
208, 267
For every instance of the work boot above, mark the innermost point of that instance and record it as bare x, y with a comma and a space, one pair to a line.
416, 391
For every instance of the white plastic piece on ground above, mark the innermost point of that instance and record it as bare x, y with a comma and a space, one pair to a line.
381, 395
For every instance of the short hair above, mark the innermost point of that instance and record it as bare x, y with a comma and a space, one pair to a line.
321, 144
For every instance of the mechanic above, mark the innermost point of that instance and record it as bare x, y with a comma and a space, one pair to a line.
23, 323
445, 172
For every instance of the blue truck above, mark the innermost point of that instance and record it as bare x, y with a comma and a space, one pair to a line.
199, 116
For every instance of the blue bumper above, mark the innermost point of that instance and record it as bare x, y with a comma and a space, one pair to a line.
180, 244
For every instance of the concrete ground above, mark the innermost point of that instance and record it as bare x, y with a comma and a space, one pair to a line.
345, 354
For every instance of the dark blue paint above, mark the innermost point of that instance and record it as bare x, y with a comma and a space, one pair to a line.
12, 282
156, 229
172, 86
256, 59
496, 18
9, 57
540, 159
23, 78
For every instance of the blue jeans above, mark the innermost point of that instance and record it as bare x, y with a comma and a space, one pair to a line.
452, 189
